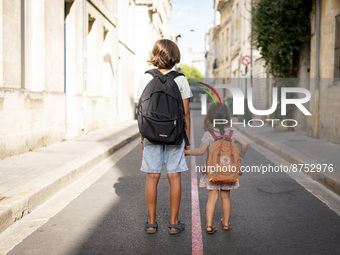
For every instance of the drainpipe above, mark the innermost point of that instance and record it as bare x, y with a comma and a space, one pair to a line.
251, 59
84, 124
251, 44
317, 76
65, 91
118, 65
23, 48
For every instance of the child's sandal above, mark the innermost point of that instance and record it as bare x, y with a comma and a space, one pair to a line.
151, 228
178, 228
225, 227
212, 231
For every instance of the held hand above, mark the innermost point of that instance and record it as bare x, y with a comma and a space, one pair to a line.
142, 146
187, 152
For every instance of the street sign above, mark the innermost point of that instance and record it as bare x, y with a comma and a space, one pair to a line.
245, 60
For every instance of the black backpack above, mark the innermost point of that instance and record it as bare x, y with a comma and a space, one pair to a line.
161, 117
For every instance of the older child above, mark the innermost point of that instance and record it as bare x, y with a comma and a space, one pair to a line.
165, 54
217, 112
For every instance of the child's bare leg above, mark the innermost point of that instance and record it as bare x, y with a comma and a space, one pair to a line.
211, 205
226, 206
151, 196
175, 196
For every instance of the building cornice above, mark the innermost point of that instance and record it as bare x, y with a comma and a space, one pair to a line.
144, 2
222, 4
101, 8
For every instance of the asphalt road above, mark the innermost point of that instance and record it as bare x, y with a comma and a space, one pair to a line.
271, 214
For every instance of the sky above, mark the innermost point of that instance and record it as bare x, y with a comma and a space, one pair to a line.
191, 14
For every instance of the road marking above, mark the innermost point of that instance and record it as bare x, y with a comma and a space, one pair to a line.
196, 232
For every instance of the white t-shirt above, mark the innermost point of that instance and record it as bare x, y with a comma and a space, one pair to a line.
181, 81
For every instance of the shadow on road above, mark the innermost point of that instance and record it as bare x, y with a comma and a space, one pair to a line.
121, 229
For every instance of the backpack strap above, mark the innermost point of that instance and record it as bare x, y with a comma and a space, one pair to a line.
213, 134
206, 162
186, 139
230, 135
219, 151
229, 138
174, 74
156, 73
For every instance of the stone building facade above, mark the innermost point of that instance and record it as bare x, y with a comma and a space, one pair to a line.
209, 51
231, 40
319, 66
195, 59
320, 61
152, 22
68, 67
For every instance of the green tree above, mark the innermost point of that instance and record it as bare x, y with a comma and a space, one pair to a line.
281, 28
191, 73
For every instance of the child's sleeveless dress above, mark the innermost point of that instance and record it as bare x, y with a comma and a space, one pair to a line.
204, 181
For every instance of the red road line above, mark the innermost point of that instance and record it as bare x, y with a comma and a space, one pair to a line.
196, 232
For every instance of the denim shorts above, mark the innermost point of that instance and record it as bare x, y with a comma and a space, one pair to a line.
155, 156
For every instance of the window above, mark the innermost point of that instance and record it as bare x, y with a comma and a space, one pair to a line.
91, 21
227, 45
68, 5
105, 30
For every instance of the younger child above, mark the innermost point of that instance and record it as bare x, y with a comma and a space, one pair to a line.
217, 112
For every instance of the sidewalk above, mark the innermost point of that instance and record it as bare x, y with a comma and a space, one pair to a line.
300, 149
29, 179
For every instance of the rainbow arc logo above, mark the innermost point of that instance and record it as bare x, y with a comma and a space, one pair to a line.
208, 92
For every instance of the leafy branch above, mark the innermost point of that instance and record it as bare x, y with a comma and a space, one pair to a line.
281, 28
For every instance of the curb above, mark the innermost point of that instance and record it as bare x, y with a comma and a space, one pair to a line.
15, 208
297, 157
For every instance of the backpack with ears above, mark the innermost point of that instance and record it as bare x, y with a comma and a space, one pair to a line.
161, 116
223, 162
